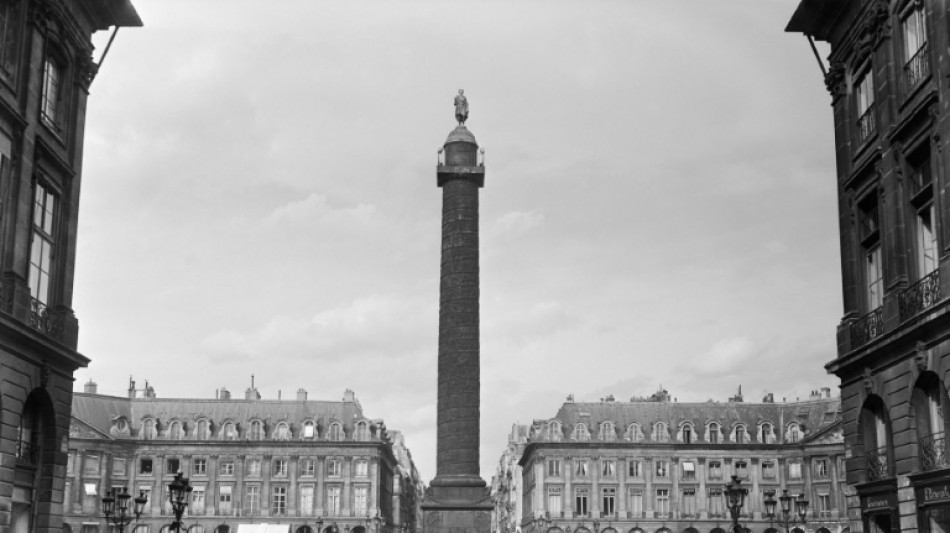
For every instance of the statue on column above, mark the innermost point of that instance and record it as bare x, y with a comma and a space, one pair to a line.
461, 108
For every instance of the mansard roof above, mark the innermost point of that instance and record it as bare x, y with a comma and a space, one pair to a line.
814, 415
100, 411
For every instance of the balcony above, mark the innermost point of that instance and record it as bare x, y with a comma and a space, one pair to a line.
606, 514
919, 296
877, 466
916, 69
578, 514
866, 126
933, 452
636, 514
867, 328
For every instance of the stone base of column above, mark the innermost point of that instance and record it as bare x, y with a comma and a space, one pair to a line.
457, 508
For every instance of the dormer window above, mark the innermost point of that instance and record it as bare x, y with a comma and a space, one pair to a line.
309, 430
794, 433
607, 432
335, 432
633, 433
202, 431
282, 432
580, 434
739, 435
362, 431
256, 430
660, 432
229, 431
712, 433
554, 431
148, 428
174, 431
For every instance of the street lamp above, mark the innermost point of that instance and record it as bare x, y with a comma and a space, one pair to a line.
735, 496
179, 491
115, 505
787, 518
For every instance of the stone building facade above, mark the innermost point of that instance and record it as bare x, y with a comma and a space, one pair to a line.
887, 75
506, 484
657, 466
46, 68
305, 465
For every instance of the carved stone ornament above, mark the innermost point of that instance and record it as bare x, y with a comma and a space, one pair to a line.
920, 359
876, 27
86, 69
44, 374
835, 79
434, 519
40, 13
868, 383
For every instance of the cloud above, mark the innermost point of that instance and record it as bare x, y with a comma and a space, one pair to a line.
316, 209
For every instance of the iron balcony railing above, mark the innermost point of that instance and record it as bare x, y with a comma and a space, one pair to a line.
933, 451
920, 296
917, 68
867, 328
877, 464
45, 321
866, 124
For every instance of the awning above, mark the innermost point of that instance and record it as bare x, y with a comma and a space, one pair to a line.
263, 528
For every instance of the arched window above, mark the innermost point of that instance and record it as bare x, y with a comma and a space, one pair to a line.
687, 434
256, 430
29, 434
362, 431
580, 433
712, 433
607, 432
554, 431
141, 528
222, 529
739, 435
335, 432
660, 432
203, 430
633, 433
229, 431
876, 438
174, 431
309, 430
304, 529
793, 433
149, 428
931, 414
282, 432
196, 529
766, 435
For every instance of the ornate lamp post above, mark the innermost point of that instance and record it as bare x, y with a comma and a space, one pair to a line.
735, 496
115, 505
787, 518
179, 491
543, 522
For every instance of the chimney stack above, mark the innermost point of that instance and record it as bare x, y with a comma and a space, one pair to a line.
90, 387
301, 395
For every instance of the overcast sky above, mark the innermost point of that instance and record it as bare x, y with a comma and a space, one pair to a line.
259, 197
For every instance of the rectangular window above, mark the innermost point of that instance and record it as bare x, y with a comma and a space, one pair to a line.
9, 38
608, 498
662, 468
580, 502
52, 75
636, 503
41, 249
914, 27
663, 502
119, 466
554, 501
306, 500
145, 466
689, 502
717, 506
89, 498
172, 466
689, 470
742, 469
633, 468
254, 467
362, 467
252, 500
609, 468
280, 467
794, 470
581, 467
768, 470
224, 499
824, 505
279, 500
821, 468
864, 101
197, 500
199, 467
334, 467
227, 468
308, 467
360, 501
333, 501
91, 465
554, 467
146, 490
